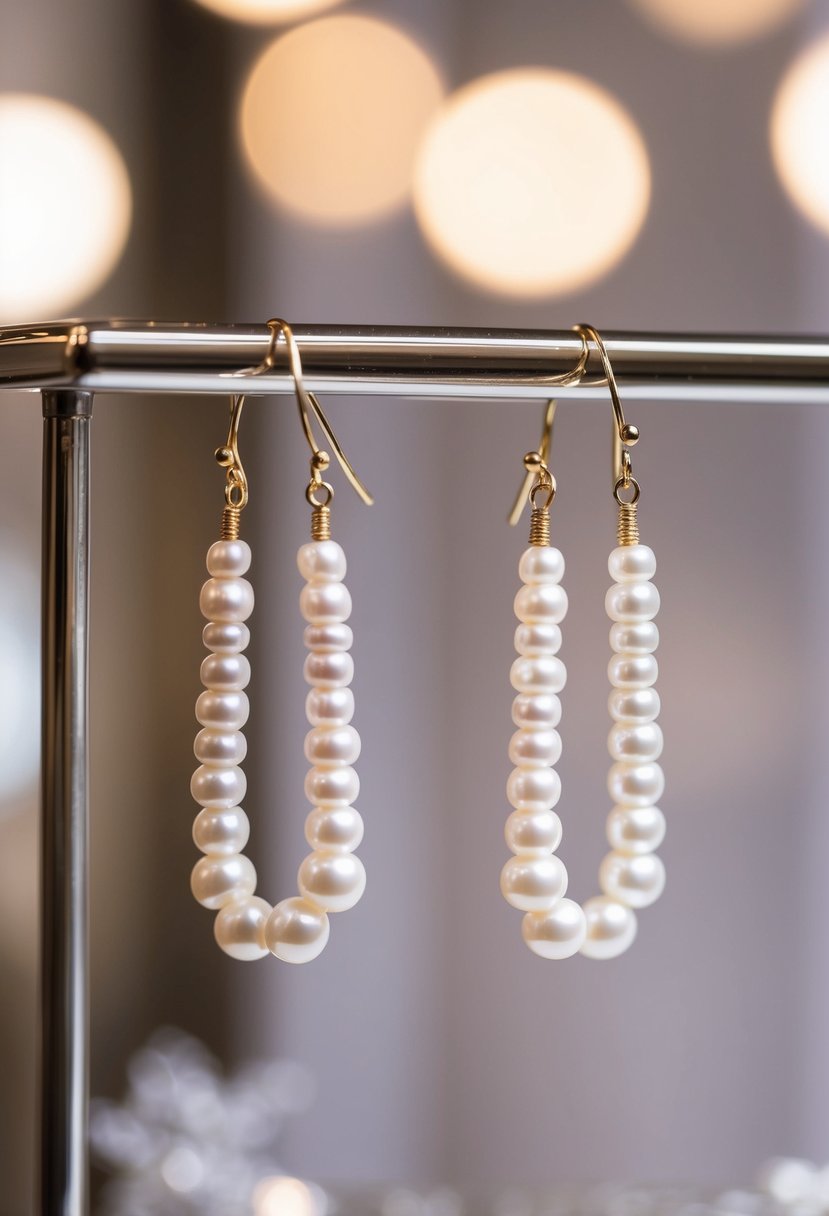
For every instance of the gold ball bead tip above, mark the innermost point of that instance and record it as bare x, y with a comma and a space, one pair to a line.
224, 457
533, 462
630, 434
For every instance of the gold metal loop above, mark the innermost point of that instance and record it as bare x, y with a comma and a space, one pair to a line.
632, 484
311, 491
537, 463
624, 433
545, 485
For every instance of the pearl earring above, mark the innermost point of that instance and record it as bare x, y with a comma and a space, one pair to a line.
631, 876
331, 878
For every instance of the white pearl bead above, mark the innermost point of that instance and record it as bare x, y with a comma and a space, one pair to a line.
535, 748
541, 564
632, 563
634, 705
329, 706
558, 933
334, 670
332, 786
220, 748
240, 928
632, 602
547, 673
635, 829
335, 881
226, 637
638, 637
332, 746
635, 881
326, 639
297, 930
536, 711
533, 833
221, 831
534, 640
632, 670
337, 829
215, 881
533, 884
533, 789
635, 743
219, 787
225, 672
226, 558
611, 928
320, 603
321, 561
226, 599
222, 710
541, 604
636, 784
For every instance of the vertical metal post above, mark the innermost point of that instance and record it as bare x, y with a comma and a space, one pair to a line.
62, 1184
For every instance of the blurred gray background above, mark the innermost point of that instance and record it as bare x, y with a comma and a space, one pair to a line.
444, 1050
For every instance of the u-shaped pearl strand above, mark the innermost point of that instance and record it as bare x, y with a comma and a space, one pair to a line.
331, 878
631, 876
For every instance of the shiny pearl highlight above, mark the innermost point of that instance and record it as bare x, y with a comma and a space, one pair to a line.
239, 928
533, 884
535, 640
322, 561
221, 831
635, 743
635, 829
533, 833
634, 705
546, 673
611, 928
533, 789
635, 784
541, 604
541, 564
337, 829
228, 558
329, 706
215, 881
632, 602
632, 563
558, 933
536, 711
325, 603
218, 787
220, 748
334, 746
297, 930
635, 881
226, 637
226, 599
535, 748
333, 881
225, 672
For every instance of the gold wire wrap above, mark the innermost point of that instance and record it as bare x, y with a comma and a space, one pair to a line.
540, 526
231, 521
627, 528
321, 523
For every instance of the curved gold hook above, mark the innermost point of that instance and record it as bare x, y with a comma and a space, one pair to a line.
536, 463
236, 487
624, 433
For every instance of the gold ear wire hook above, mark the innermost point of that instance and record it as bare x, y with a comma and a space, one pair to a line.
624, 433
236, 487
536, 463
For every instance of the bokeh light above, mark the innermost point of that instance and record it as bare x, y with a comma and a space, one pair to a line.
532, 182
800, 133
65, 206
717, 22
279, 1196
332, 115
268, 12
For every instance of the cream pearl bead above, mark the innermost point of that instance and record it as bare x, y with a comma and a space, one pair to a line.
535, 748
541, 564
222, 710
632, 563
635, 784
332, 786
321, 561
634, 637
632, 670
635, 881
334, 881
329, 706
533, 789
635, 829
327, 639
320, 603
219, 787
226, 599
632, 602
240, 928
337, 829
332, 746
533, 884
215, 881
297, 930
541, 604
535, 640
559, 933
634, 705
221, 831
533, 833
226, 558
226, 637
546, 673
225, 672
220, 748
536, 711
334, 670
635, 743
611, 928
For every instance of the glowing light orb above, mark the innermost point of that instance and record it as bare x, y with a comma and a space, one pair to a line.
287, 1197
267, 12
332, 115
799, 133
65, 206
532, 182
717, 22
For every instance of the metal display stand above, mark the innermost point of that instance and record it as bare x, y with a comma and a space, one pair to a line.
70, 362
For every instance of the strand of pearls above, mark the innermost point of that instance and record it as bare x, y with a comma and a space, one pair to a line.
330, 879
535, 880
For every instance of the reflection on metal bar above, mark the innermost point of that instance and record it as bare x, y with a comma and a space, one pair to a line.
126, 356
